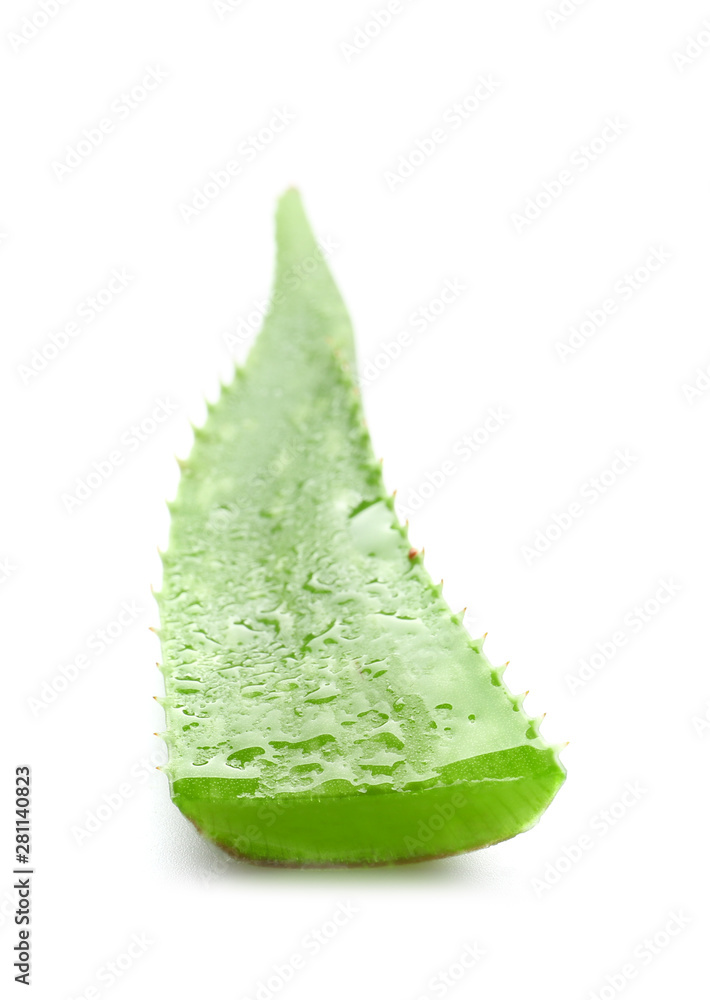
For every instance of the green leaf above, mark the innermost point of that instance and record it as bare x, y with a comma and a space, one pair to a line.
324, 705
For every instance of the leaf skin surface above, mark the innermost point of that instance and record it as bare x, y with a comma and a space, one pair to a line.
324, 706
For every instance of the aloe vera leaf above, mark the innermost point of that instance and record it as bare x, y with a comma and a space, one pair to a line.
324, 706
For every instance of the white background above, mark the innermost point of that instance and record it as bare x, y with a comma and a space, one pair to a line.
553, 922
